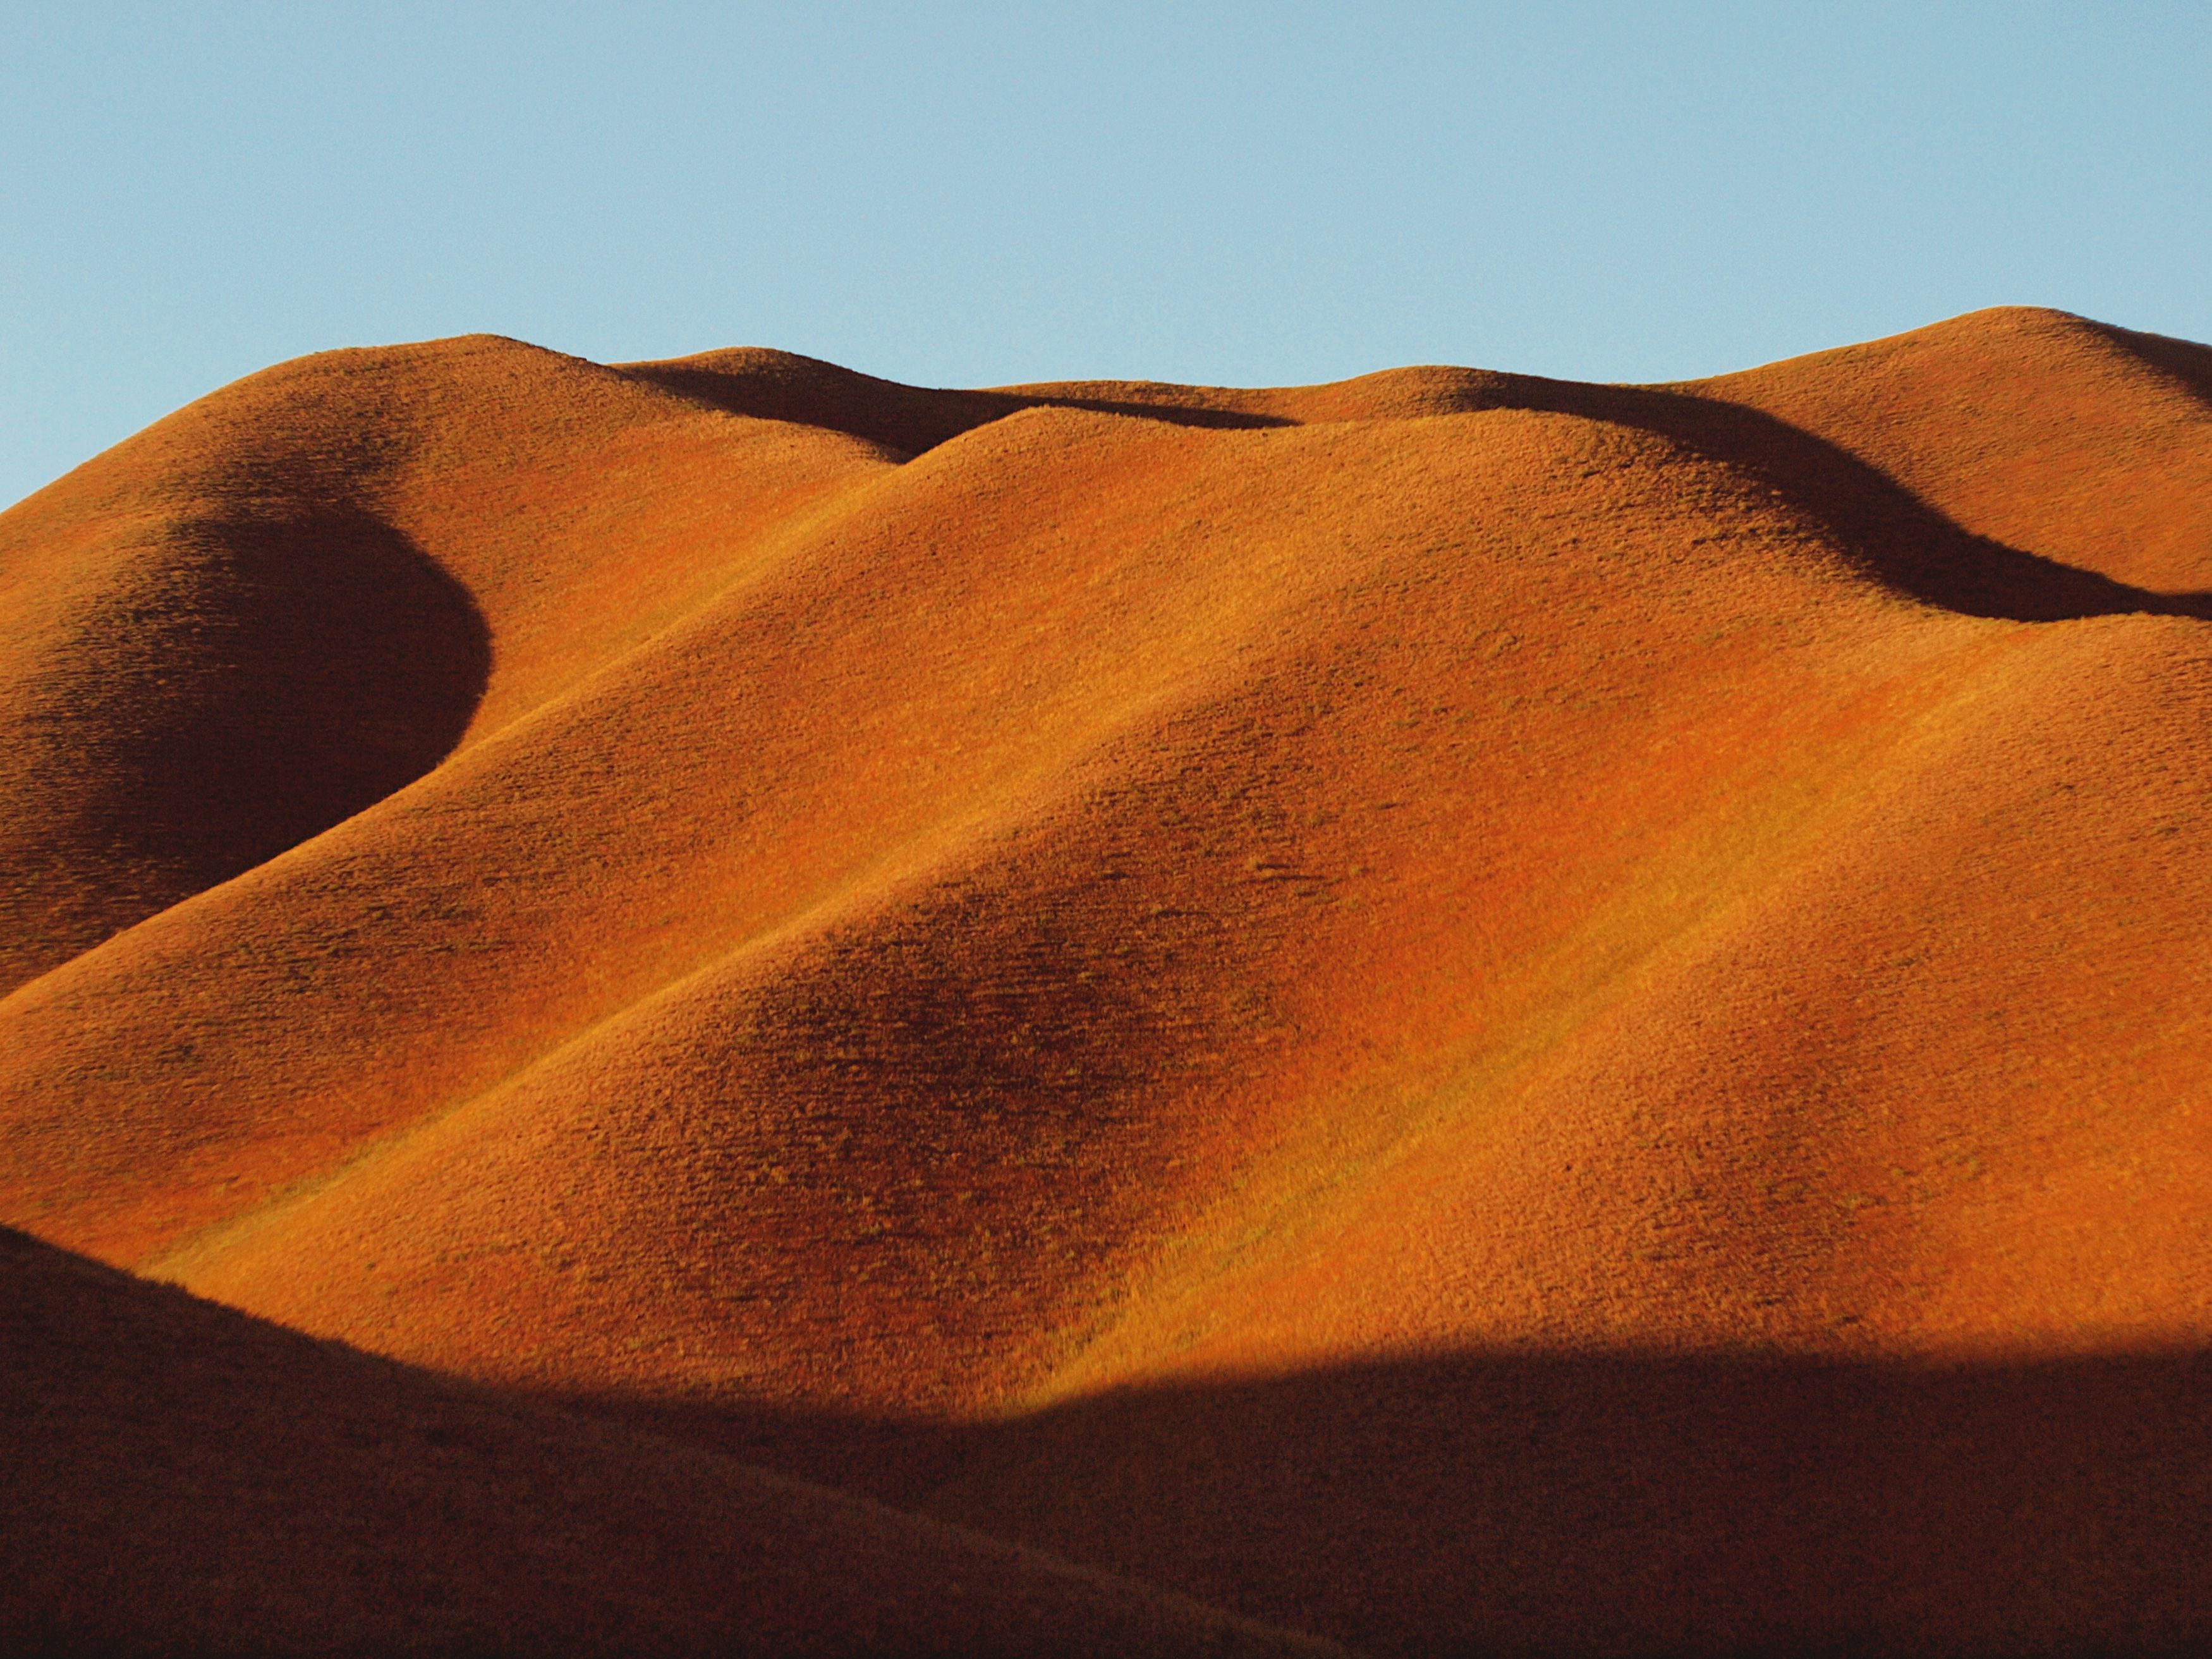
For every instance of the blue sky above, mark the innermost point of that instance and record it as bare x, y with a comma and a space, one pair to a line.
970, 194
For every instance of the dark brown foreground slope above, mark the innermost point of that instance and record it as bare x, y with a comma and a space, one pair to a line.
183, 1477
1454, 1009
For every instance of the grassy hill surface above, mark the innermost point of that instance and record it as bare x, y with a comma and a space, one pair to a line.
1452, 1011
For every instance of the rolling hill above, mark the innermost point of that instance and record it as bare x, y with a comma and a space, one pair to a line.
1455, 1012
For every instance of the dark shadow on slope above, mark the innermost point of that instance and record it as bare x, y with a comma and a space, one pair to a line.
242, 686
179, 1478
2183, 360
1903, 541
1613, 1502
333, 663
909, 419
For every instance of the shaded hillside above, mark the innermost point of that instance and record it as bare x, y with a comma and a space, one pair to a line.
181, 1478
279, 605
1604, 1500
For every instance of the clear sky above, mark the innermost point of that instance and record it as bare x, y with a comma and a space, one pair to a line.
970, 194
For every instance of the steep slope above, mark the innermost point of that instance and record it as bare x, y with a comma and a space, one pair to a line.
194, 1480
1452, 885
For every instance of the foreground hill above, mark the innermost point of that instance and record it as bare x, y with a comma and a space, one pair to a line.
182, 1478
1335, 997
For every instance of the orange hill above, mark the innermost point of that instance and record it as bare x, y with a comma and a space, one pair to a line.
1448, 1009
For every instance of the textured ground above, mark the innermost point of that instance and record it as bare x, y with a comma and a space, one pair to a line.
1452, 1011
